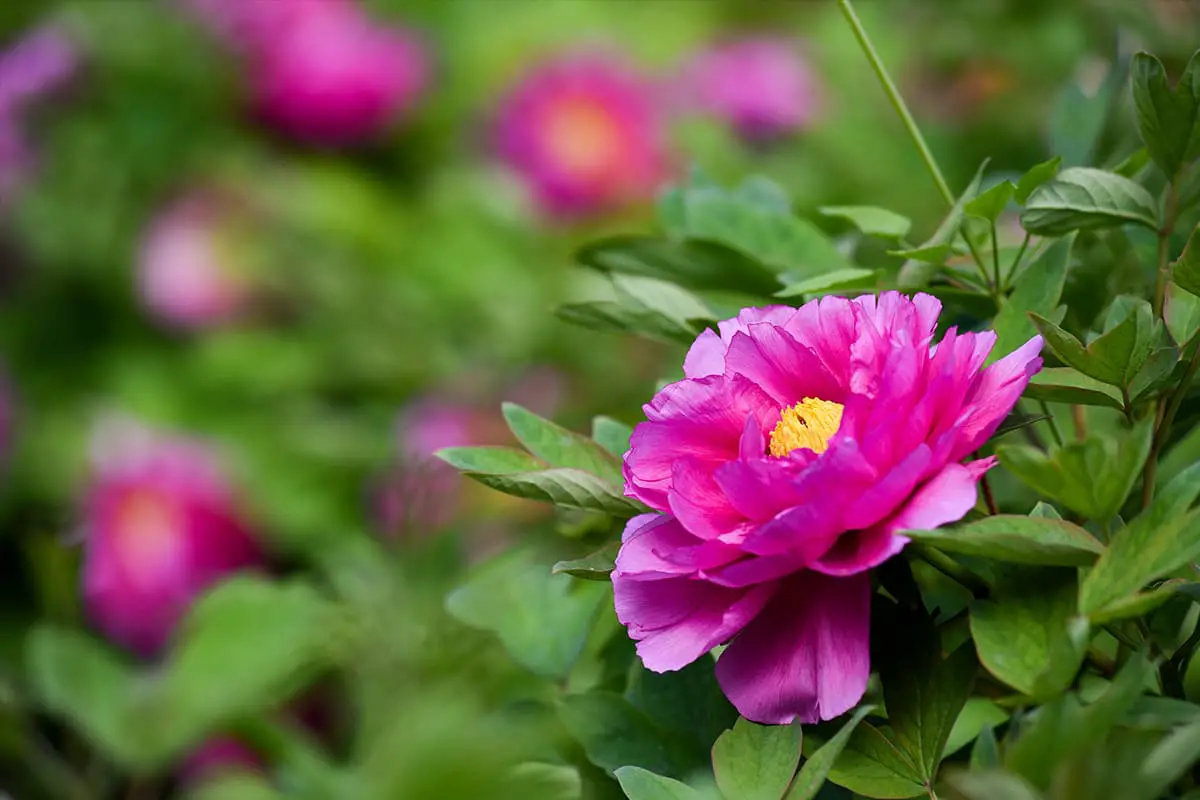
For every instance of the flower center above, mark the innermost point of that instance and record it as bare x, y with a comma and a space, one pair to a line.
810, 424
583, 138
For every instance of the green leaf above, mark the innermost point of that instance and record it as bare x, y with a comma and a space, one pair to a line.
569, 488
989, 205
935, 254
614, 734
235, 786
593, 567
756, 762
688, 704
838, 280
1158, 541
552, 781
1187, 268
560, 447
1114, 357
1168, 121
915, 272
872, 764
821, 760
1092, 477
1035, 177
543, 620
1063, 727
1067, 385
1084, 198
245, 647
640, 784
1181, 310
978, 715
990, 784
494, 460
779, 241
1170, 760
645, 307
986, 752
700, 265
1025, 633
1017, 539
1133, 163
871, 220
923, 692
612, 435
75, 677
1037, 289
1137, 605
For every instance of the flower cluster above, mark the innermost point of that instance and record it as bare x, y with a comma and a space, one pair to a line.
784, 466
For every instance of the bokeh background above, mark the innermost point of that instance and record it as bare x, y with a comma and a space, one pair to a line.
260, 258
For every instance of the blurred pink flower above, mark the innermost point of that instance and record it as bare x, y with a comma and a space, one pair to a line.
337, 79
39, 63
788, 462
322, 71
218, 755
763, 87
34, 66
161, 526
585, 134
186, 272
422, 493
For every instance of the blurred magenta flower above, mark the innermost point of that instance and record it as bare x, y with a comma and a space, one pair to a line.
34, 66
322, 71
763, 87
216, 756
187, 273
785, 465
161, 526
423, 493
585, 133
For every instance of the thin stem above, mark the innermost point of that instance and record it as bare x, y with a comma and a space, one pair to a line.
996, 260
1164, 427
889, 87
1016, 264
1079, 418
951, 568
988, 498
1170, 209
1054, 431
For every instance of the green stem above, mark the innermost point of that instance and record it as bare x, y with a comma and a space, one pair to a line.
1054, 431
1016, 264
950, 568
1164, 417
1170, 209
889, 87
996, 261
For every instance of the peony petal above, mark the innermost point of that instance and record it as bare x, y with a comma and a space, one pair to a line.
706, 356
993, 395
806, 655
945, 498
698, 502
784, 368
882, 499
702, 419
678, 620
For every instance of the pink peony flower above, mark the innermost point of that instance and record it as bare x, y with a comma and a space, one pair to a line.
785, 464
585, 134
186, 275
252, 26
763, 87
334, 77
161, 527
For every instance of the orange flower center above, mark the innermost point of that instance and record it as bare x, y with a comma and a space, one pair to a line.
584, 138
147, 527
810, 424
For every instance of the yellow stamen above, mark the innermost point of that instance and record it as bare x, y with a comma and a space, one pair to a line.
811, 423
